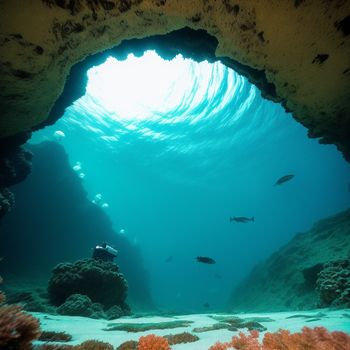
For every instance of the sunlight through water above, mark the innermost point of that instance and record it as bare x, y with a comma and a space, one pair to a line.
171, 149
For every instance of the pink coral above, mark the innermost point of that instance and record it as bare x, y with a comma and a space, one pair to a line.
318, 338
153, 342
17, 328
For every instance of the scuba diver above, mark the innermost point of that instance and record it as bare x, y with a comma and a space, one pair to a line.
104, 252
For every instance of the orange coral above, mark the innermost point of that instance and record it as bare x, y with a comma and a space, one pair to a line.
246, 342
17, 328
220, 346
318, 338
153, 342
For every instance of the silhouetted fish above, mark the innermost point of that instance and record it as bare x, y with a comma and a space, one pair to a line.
205, 260
169, 259
218, 276
284, 179
206, 305
241, 219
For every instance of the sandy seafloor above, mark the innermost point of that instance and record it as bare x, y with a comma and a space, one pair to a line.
82, 328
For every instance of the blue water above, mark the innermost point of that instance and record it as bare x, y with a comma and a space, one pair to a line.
177, 147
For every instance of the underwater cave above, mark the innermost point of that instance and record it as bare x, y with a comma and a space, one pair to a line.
191, 157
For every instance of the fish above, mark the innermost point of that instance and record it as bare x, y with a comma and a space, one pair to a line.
284, 179
169, 259
205, 260
242, 219
218, 276
206, 305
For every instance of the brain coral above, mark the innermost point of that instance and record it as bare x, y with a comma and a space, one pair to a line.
100, 281
333, 284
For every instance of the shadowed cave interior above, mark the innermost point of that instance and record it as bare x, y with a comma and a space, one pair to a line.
62, 213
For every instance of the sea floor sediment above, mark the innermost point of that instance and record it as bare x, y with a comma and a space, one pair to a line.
82, 328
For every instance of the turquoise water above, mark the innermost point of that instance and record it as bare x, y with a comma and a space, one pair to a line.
175, 148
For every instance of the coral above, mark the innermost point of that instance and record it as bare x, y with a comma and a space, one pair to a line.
2, 297
114, 312
310, 339
333, 284
81, 305
128, 345
233, 324
30, 300
100, 281
55, 336
54, 347
142, 327
246, 342
181, 338
153, 342
94, 345
215, 326
17, 329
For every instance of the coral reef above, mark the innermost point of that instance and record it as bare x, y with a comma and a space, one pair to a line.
53, 347
55, 336
333, 284
311, 339
181, 338
63, 209
17, 329
288, 280
94, 345
128, 345
153, 342
81, 305
142, 327
114, 312
30, 300
99, 280
232, 323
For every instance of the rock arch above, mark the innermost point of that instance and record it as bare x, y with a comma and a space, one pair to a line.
297, 52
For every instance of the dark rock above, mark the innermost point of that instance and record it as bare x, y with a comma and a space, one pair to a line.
291, 279
99, 280
15, 165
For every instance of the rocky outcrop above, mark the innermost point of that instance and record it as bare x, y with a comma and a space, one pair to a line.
311, 271
15, 165
101, 281
63, 225
295, 51
333, 283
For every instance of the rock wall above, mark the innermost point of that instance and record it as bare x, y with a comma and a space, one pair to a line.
299, 50
298, 275
62, 225
15, 165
